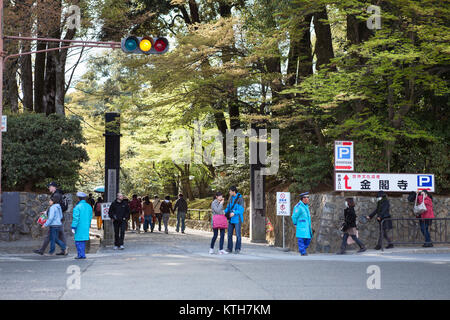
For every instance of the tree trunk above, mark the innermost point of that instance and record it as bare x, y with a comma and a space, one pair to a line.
26, 72
324, 44
39, 63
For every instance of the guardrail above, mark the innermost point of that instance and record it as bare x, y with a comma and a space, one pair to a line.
197, 213
408, 230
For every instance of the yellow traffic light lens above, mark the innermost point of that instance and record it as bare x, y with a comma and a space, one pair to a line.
145, 45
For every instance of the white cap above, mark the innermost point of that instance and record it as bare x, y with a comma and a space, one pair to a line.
81, 194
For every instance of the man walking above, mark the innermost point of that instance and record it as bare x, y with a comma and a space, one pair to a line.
157, 209
119, 212
81, 223
182, 207
382, 212
301, 218
136, 211
166, 208
235, 213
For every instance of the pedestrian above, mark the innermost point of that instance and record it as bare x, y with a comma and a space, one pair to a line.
182, 206
90, 200
81, 223
147, 208
235, 213
219, 222
166, 208
301, 218
382, 213
53, 189
119, 212
98, 212
157, 208
350, 227
54, 223
426, 217
136, 212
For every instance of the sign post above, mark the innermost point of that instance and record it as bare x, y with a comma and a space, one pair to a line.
284, 209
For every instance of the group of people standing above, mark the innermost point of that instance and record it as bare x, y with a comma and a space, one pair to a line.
146, 212
301, 218
81, 223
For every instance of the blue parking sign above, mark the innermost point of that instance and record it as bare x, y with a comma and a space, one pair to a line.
343, 152
425, 181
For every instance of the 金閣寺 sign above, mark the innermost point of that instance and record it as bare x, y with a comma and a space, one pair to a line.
389, 182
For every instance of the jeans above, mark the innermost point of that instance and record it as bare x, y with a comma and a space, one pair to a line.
344, 241
148, 220
303, 244
231, 227
165, 218
61, 237
81, 248
181, 216
383, 233
159, 217
54, 238
119, 232
136, 223
424, 227
222, 238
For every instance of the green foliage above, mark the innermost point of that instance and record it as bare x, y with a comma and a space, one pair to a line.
38, 149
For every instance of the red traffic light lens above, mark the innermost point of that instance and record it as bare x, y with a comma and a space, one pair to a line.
160, 45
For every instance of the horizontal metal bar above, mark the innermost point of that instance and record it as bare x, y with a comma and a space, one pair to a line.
58, 48
61, 40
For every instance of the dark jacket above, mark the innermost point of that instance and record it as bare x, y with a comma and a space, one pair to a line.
166, 207
350, 217
135, 206
181, 204
98, 209
382, 211
119, 210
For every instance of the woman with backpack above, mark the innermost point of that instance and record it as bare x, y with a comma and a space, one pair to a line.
166, 209
219, 222
98, 212
55, 225
349, 227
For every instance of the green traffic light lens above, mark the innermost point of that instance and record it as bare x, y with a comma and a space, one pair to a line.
131, 44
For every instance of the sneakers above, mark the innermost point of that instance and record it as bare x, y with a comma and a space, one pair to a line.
377, 248
116, 247
362, 250
237, 251
49, 254
62, 253
222, 252
427, 245
390, 246
211, 251
38, 252
228, 251
121, 247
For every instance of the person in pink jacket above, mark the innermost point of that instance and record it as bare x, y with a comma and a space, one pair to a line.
426, 216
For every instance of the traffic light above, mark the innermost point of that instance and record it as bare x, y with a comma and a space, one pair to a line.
145, 45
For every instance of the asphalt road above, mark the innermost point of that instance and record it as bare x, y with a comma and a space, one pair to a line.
178, 266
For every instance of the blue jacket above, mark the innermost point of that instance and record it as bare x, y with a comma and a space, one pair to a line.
238, 209
82, 216
54, 216
302, 219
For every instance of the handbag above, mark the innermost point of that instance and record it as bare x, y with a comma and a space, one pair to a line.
220, 221
42, 219
227, 215
421, 208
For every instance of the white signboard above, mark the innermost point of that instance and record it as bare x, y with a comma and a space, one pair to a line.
4, 123
388, 182
105, 209
343, 156
283, 204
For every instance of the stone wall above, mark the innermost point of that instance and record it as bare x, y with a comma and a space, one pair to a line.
31, 205
327, 214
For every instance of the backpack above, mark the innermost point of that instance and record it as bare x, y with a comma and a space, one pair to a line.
64, 203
